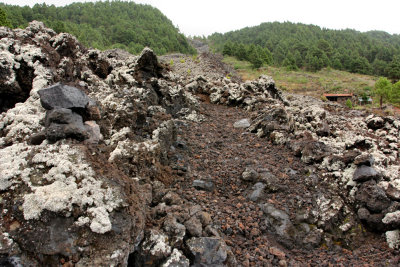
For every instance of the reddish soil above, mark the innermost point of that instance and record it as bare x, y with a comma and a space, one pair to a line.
217, 150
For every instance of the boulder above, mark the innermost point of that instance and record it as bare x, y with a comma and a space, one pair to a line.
372, 220
63, 123
147, 65
279, 223
154, 250
392, 218
365, 173
372, 197
324, 130
207, 251
62, 116
393, 193
194, 226
177, 259
257, 192
393, 239
375, 122
277, 119
175, 230
63, 96
364, 159
57, 132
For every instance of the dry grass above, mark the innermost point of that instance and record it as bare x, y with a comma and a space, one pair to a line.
308, 83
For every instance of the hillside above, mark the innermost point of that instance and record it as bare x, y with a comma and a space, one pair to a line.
108, 24
307, 46
112, 159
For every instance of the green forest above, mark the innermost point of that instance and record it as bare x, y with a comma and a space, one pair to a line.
106, 25
309, 47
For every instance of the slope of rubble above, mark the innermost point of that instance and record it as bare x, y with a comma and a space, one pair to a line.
111, 159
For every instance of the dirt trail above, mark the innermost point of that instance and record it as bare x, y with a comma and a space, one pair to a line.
215, 150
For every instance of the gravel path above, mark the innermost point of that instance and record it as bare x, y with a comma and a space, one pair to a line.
216, 151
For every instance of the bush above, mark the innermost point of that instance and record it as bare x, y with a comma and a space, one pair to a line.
349, 104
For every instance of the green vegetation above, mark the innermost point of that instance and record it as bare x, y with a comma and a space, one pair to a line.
327, 80
3, 19
349, 104
387, 91
308, 47
108, 24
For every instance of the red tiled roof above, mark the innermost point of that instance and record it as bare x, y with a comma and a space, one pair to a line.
339, 95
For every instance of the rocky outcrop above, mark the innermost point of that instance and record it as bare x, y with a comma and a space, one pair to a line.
91, 155
85, 139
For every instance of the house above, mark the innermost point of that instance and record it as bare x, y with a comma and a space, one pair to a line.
338, 97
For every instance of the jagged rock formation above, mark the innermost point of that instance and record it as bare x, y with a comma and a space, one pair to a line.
85, 203
94, 170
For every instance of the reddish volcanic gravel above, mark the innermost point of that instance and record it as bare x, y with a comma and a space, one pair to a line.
215, 150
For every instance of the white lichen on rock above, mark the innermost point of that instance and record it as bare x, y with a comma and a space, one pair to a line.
72, 182
393, 239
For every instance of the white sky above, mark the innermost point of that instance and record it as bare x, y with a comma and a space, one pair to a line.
204, 17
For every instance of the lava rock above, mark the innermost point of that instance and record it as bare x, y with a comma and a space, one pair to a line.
62, 116
93, 132
279, 223
277, 119
372, 196
375, 123
364, 159
154, 249
257, 192
372, 221
177, 259
393, 193
207, 251
63, 96
37, 139
314, 152
244, 123
392, 218
365, 173
250, 175
147, 65
324, 130
194, 226
176, 231
203, 185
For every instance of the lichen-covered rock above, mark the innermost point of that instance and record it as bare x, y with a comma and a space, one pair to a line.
177, 259
208, 251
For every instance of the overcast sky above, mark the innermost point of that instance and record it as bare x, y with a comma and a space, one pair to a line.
203, 17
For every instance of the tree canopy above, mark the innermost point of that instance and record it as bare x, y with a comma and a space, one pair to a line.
3, 19
310, 47
108, 24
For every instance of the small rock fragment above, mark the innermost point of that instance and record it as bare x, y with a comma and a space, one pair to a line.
203, 185
243, 123
249, 175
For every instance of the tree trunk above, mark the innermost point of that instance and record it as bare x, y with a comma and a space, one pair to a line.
380, 102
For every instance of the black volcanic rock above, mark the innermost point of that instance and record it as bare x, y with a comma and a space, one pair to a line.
63, 96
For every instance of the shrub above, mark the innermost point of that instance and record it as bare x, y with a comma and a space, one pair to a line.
349, 104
